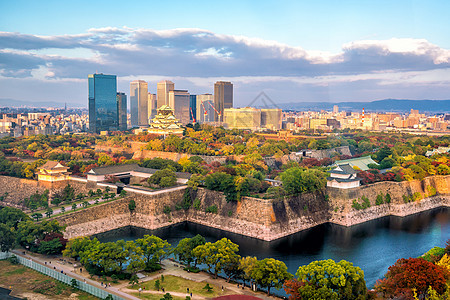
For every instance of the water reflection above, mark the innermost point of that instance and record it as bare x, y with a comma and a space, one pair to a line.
373, 246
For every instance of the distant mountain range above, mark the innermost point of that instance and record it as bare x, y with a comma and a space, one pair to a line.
6, 102
388, 105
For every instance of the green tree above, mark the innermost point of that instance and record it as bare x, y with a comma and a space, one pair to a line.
77, 246
135, 257
208, 288
7, 238
297, 180
163, 178
37, 216
154, 249
167, 296
12, 216
184, 249
49, 212
248, 264
50, 247
327, 279
217, 255
270, 273
74, 206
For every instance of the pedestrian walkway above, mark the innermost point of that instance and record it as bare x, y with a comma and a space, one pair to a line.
68, 270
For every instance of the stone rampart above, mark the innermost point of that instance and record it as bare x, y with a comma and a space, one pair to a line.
259, 218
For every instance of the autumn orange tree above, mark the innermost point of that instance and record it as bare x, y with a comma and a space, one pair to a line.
411, 275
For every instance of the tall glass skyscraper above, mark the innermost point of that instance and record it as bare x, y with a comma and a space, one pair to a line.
193, 108
139, 103
122, 110
103, 113
223, 98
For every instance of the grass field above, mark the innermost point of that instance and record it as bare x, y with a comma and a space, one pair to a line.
154, 296
23, 280
178, 284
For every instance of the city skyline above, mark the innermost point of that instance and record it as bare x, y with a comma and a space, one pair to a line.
297, 52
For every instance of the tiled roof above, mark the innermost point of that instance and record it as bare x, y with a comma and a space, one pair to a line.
50, 165
127, 168
360, 162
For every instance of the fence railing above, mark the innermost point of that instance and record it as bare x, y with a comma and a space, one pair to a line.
98, 292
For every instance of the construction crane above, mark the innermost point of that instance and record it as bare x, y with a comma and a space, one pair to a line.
192, 115
218, 113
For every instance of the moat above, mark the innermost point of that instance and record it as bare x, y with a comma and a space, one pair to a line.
373, 246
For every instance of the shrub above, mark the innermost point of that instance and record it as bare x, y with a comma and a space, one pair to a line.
366, 202
417, 196
356, 204
379, 199
13, 259
114, 278
197, 204
434, 254
167, 210
387, 198
211, 209
431, 191
132, 205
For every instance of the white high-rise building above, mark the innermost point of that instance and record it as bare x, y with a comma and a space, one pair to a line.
179, 101
162, 93
139, 103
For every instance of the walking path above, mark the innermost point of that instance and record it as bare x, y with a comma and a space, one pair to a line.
169, 268
69, 271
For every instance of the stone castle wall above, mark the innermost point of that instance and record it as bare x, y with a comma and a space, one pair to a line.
18, 189
259, 218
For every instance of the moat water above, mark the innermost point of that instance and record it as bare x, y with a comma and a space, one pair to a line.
373, 246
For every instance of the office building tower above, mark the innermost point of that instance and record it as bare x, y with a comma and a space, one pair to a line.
206, 112
335, 109
138, 103
151, 105
243, 118
102, 102
162, 93
193, 108
205, 103
179, 101
122, 110
271, 118
223, 98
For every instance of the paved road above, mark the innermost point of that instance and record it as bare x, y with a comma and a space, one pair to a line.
68, 270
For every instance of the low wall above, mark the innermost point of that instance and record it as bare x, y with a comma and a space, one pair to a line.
259, 218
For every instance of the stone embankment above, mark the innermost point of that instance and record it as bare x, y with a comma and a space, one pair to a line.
259, 218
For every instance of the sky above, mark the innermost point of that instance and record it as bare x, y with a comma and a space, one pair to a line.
294, 51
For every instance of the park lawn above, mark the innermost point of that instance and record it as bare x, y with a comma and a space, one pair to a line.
24, 280
154, 296
177, 284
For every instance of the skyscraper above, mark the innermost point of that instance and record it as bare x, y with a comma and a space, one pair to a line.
205, 110
193, 108
151, 105
179, 101
102, 102
223, 98
162, 93
138, 103
122, 110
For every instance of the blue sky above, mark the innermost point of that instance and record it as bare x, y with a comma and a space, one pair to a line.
293, 50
